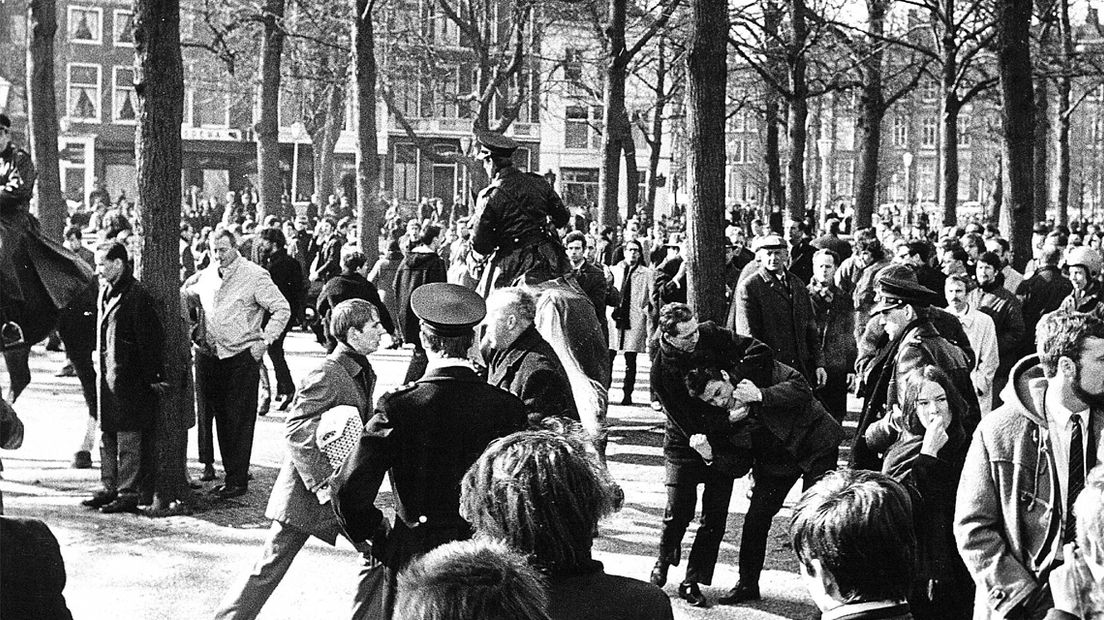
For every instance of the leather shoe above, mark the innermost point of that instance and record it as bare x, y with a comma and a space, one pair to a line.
208, 473
691, 593
82, 459
98, 499
122, 504
226, 491
659, 574
284, 401
67, 371
739, 594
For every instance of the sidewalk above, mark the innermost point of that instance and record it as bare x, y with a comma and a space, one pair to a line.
133, 567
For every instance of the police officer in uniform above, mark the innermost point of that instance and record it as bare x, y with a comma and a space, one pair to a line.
426, 434
514, 221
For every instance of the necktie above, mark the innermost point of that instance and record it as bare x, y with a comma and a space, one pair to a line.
1076, 473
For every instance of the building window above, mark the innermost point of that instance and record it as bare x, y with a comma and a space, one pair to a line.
523, 159
573, 65
930, 90
845, 133
928, 131
448, 87
406, 172
900, 130
576, 128
124, 105
85, 25
580, 186
122, 27
212, 109
189, 108
963, 130
83, 100
445, 31
926, 185
845, 177
733, 184
404, 91
750, 193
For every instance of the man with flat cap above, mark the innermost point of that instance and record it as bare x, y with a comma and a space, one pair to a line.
425, 434
902, 310
773, 306
515, 221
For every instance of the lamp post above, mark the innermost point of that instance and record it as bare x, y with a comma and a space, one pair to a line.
906, 159
465, 180
298, 132
824, 147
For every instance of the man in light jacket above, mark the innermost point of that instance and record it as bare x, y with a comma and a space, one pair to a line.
1027, 462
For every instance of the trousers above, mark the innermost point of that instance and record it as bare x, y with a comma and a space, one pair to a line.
284, 383
682, 496
228, 389
128, 463
246, 598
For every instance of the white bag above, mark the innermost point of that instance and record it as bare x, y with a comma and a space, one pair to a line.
339, 430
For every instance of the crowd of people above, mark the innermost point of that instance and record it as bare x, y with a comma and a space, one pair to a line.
970, 486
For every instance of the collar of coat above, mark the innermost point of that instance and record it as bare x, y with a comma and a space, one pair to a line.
528, 340
354, 363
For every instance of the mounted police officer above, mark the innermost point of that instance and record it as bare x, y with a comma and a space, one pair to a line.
516, 219
426, 434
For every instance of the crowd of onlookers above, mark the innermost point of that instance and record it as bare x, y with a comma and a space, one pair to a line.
982, 392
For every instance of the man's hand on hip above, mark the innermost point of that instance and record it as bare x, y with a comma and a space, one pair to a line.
257, 349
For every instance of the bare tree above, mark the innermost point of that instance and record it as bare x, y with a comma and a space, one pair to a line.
159, 86
1017, 122
268, 125
617, 130
364, 69
43, 117
707, 71
663, 74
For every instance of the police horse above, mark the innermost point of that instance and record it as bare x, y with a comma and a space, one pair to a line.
38, 278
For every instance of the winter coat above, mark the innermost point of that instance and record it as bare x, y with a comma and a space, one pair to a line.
131, 341
339, 380
1043, 292
352, 285
797, 426
1007, 314
416, 269
383, 276
1090, 300
1009, 509
780, 316
918, 344
530, 370
741, 356
835, 324
635, 338
287, 275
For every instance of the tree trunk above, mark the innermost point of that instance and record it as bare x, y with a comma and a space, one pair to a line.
1043, 126
324, 146
367, 159
1017, 122
708, 70
1042, 137
656, 141
43, 117
950, 159
871, 113
632, 175
772, 152
613, 115
268, 125
159, 86
799, 110
1064, 86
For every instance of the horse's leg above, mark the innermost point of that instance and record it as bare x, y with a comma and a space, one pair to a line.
19, 370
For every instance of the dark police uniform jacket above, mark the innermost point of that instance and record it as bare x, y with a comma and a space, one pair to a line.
425, 434
512, 222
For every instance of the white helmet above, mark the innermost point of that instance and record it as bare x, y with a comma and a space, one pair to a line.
1086, 257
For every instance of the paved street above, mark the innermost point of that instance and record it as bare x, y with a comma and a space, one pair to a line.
130, 566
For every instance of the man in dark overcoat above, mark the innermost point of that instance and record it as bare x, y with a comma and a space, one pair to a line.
351, 284
520, 360
773, 307
425, 434
300, 502
514, 215
131, 342
287, 275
